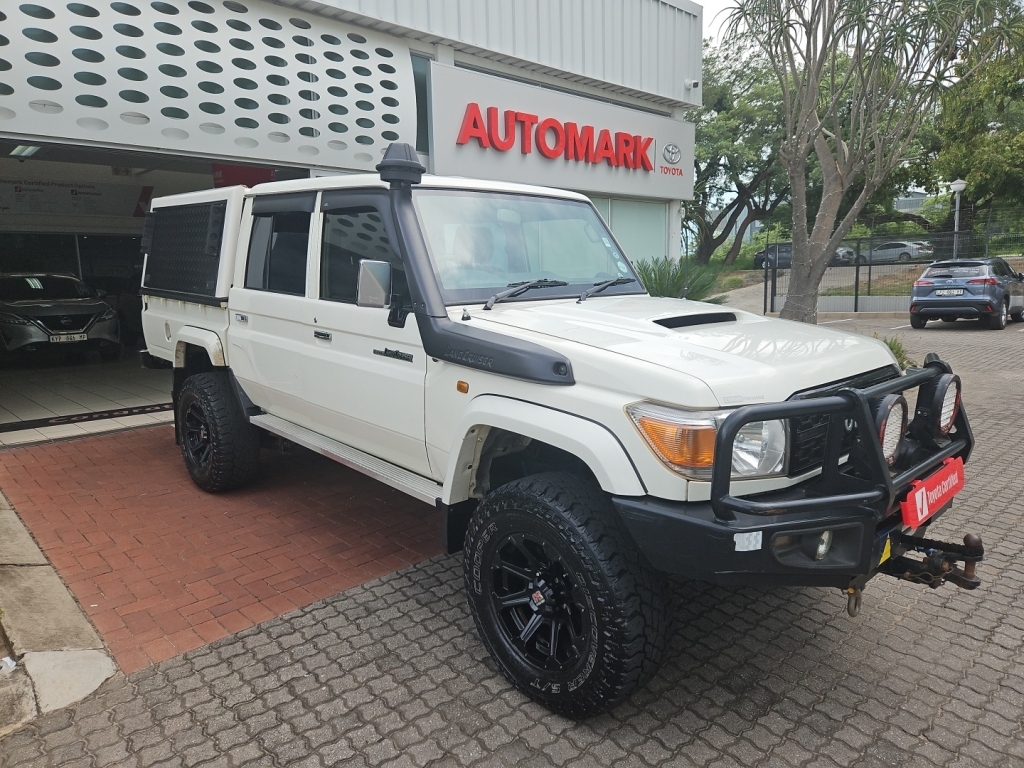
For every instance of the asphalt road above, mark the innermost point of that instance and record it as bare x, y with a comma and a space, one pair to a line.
392, 673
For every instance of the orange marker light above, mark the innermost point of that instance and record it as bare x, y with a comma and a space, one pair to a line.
462, 386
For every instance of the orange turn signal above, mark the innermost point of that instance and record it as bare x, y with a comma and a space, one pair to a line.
462, 386
688, 446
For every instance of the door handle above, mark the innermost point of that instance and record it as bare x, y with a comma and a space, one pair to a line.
322, 335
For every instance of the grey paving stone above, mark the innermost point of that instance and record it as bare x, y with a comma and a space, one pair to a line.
16, 544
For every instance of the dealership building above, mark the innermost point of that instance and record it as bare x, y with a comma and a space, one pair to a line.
106, 104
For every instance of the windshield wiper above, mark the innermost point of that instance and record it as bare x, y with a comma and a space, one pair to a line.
598, 287
514, 289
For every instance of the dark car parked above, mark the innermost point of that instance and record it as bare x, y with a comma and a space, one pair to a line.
783, 253
988, 289
45, 311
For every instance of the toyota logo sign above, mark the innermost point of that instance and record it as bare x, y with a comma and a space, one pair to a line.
672, 154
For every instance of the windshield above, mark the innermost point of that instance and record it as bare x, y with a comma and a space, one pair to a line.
42, 287
482, 242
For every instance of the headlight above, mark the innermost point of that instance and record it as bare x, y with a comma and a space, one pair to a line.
110, 314
685, 441
6, 317
891, 425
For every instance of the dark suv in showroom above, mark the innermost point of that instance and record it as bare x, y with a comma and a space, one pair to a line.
986, 289
40, 311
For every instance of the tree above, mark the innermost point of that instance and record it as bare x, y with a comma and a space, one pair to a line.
737, 176
858, 79
979, 135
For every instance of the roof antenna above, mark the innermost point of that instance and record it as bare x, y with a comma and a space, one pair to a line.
400, 167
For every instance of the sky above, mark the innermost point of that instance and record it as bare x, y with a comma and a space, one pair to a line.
715, 12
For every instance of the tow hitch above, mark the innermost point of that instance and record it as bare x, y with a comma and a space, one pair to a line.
939, 562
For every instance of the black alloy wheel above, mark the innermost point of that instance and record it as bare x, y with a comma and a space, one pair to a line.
196, 438
538, 604
564, 602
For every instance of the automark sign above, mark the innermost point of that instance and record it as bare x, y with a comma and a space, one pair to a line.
490, 127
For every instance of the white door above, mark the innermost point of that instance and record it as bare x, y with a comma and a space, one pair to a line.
365, 367
268, 310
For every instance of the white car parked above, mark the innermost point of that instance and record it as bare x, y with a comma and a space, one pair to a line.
489, 349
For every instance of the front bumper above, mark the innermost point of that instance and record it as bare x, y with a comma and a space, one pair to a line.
771, 538
686, 539
31, 336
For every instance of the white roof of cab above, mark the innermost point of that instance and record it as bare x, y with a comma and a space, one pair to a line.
364, 180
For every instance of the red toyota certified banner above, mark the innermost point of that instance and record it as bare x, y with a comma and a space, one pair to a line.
928, 496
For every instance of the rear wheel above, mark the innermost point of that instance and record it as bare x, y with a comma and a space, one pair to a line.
220, 447
904, 257
997, 320
565, 604
1017, 317
916, 321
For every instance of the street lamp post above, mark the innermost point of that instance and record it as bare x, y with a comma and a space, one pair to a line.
957, 186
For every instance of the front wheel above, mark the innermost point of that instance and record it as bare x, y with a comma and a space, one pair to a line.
565, 604
1017, 317
916, 321
220, 447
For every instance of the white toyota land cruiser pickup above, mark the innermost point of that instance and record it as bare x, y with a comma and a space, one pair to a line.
488, 348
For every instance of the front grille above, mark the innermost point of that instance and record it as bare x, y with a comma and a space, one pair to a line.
64, 323
809, 434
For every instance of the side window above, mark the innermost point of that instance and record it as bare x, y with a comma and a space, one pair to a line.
997, 269
351, 235
277, 253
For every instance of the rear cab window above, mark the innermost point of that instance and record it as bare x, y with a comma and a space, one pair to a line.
955, 270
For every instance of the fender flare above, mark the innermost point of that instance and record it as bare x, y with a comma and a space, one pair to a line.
593, 443
199, 337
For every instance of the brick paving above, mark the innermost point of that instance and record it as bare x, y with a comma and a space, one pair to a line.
391, 672
161, 567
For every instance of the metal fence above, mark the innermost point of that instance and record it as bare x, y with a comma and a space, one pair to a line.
876, 274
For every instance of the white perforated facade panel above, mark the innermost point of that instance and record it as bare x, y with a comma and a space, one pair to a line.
239, 79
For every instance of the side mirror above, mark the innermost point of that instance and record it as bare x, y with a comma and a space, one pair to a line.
374, 287
1020, 275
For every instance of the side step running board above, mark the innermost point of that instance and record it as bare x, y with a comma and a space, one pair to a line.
401, 479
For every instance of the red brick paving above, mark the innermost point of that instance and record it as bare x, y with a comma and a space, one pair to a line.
162, 567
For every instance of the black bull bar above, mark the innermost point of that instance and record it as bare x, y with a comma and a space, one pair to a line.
865, 480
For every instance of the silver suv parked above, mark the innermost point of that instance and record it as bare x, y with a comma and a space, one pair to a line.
988, 289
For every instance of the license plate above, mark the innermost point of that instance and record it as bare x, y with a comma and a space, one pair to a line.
949, 292
928, 495
64, 337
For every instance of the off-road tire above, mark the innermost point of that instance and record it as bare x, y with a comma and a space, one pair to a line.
916, 321
615, 598
232, 458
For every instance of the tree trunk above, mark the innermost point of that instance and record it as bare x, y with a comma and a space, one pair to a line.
737, 243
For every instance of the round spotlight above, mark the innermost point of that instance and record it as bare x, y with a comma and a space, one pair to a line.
945, 403
891, 425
